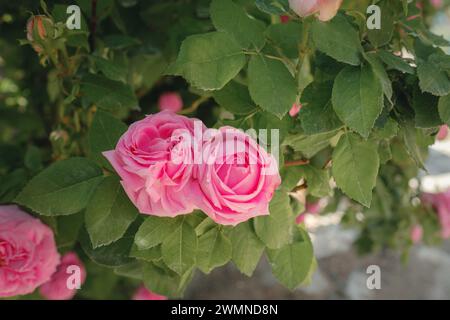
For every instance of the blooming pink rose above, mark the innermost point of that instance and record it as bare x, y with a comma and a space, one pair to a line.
237, 177
295, 109
416, 233
144, 294
28, 255
170, 101
327, 9
154, 160
56, 288
441, 203
443, 132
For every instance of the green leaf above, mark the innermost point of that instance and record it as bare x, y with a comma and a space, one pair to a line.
103, 135
111, 69
271, 85
338, 39
317, 114
291, 263
410, 137
231, 18
318, 180
355, 167
63, 188
276, 7
235, 98
109, 213
146, 69
180, 247
309, 145
112, 255
149, 255
275, 230
247, 248
209, 61
68, 229
444, 109
432, 79
382, 36
380, 72
214, 250
395, 62
110, 95
358, 98
160, 279
286, 37
426, 110
154, 231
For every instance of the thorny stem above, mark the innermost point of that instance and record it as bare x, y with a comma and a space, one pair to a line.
93, 26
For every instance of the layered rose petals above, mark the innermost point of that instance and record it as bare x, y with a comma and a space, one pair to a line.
326, 9
237, 177
154, 159
28, 255
57, 288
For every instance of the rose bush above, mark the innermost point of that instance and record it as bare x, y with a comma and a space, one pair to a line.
152, 145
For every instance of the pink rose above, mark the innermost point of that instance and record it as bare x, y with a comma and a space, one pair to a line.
154, 160
327, 9
295, 109
441, 203
416, 233
443, 132
170, 101
144, 294
28, 255
56, 288
237, 177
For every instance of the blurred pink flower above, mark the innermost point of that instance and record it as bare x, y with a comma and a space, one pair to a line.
310, 208
437, 3
327, 9
441, 203
170, 101
284, 19
144, 294
295, 109
56, 288
443, 132
416, 233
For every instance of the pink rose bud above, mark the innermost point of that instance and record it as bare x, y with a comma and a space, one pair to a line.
60, 286
154, 159
28, 255
284, 19
237, 177
416, 233
170, 101
144, 294
443, 132
295, 109
40, 25
327, 9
